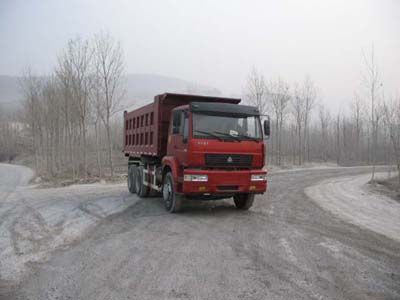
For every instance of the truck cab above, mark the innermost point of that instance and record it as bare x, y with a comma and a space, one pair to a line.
214, 150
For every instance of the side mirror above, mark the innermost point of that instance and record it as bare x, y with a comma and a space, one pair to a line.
267, 128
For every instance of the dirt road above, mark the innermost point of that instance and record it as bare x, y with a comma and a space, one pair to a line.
349, 198
285, 247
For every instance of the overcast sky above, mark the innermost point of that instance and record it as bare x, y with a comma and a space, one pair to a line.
216, 42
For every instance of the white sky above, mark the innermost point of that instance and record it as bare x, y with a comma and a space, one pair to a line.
216, 42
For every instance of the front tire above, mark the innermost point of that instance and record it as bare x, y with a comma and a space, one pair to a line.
132, 169
243, 201
172, 201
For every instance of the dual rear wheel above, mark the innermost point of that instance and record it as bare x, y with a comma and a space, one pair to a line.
131, 178
135, 181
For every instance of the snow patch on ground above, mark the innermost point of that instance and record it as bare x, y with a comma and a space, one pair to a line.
296, 168
35, 222
350, 199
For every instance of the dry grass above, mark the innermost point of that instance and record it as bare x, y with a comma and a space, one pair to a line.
389, 187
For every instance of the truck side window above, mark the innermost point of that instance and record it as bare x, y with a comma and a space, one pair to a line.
176, 122
185, 124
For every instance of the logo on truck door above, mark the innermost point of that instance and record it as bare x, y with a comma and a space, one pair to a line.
229, 160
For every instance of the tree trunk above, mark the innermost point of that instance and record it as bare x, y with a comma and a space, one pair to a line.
98, 148
109, 142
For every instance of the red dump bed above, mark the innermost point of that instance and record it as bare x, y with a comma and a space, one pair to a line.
146, 128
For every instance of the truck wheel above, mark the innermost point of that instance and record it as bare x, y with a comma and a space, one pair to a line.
243, 201
131, 178
141, 189
172, 201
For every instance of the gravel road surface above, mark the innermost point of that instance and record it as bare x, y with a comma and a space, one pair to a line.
120, 247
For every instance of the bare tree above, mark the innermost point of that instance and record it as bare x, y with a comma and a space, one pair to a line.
9, 135
97, 113
357, 119
109, 71
64, 75
337, 139
391, 119
30, 86
298, 111
372, 84
279, 92
309, 94
257, 91
78, 58
324, 119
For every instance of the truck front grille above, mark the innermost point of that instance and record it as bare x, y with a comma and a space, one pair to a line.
228, 160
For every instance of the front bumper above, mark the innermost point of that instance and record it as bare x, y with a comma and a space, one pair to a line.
222, 182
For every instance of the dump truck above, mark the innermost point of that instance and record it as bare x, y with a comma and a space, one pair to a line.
196, 147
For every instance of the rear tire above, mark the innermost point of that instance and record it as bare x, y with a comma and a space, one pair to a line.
141, 189
243, 201
172, 201
131, 178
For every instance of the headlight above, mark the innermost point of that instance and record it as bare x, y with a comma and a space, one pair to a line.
190, 177
259, 177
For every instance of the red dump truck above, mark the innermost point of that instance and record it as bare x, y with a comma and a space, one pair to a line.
196, 147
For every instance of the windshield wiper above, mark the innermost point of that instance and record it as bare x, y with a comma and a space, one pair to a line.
228, 135
248, 137
236, 137
209, 134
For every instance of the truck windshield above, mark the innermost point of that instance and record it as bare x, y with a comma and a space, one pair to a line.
233, 127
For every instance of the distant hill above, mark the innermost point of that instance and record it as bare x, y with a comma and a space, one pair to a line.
140, 88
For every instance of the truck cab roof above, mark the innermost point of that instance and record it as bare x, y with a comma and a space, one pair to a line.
224, 109
187, 98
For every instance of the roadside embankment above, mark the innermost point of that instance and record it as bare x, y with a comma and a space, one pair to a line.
351, 199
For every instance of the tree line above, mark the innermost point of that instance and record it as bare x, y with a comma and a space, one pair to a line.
68, 121
69, 112
305, 130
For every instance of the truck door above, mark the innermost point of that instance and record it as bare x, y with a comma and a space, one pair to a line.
179, 136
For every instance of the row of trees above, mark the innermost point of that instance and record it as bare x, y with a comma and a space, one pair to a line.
67, 120
290, 109
69, 113
305, 130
